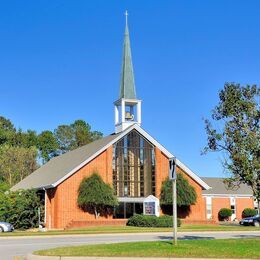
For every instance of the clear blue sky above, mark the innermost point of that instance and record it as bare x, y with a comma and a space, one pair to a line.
61, 60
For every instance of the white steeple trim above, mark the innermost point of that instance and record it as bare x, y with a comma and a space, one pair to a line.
121, 123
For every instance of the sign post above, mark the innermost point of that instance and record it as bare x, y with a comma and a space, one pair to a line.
173, 177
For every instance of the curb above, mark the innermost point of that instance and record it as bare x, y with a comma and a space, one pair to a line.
38, 257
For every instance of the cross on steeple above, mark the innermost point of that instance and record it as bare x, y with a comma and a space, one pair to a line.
126, 17
127, 107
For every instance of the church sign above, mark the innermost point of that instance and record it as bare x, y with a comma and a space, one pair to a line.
151, 206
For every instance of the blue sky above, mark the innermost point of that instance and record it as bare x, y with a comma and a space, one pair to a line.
61, 60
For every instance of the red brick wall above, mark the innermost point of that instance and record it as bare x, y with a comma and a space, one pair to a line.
241, 204
162, 163
217, 204
224, 202
62, 208
61, 202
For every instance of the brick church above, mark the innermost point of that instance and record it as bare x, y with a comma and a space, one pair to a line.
130, 160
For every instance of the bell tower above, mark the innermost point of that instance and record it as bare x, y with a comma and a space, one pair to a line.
127, 107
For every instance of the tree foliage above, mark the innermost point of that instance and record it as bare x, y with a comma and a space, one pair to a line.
20, 151
47, 145
70, 137
186, 194
20, 208
16, 163
237, 134
96, 196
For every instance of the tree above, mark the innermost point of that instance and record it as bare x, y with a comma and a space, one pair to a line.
47, 145
96, 196
7, 130
186, 194
24, 139
236, 135
70, 137
16, 163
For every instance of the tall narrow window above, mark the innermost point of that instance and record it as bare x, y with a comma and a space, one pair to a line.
134, 166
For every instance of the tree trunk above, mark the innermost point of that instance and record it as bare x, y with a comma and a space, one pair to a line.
96, 213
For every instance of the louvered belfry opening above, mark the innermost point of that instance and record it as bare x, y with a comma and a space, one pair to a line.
133, 166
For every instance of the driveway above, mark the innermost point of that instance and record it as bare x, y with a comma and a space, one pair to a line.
21, 246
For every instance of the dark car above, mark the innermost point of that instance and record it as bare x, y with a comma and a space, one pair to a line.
252, 221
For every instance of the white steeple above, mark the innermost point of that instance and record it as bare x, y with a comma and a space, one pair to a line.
128, 107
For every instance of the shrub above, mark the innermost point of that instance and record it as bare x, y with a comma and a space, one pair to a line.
20, 208
151, 221
248, 212
224, 213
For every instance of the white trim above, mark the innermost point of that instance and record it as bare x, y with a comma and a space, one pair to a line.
193, 175
228, 195
45, 206
150, 139
93, 156
131, 199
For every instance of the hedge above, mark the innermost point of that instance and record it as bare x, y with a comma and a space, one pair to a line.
248, 212
151, 221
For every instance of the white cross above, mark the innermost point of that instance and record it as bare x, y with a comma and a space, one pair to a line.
126, 14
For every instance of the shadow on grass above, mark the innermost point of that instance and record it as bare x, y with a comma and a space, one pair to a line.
247, 236
185, 238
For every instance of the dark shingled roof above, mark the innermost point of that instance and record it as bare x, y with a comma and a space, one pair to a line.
61, 165
218, 187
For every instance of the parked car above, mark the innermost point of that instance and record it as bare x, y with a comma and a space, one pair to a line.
6, 227
252, 221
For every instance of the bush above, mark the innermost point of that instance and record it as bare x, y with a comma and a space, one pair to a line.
20, 208
224, 213
248, 212
151, 221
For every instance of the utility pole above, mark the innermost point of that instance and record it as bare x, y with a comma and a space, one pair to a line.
173, 177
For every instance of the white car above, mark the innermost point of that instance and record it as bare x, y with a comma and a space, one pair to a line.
6, 227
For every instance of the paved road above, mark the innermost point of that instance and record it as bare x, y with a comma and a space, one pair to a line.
20, 246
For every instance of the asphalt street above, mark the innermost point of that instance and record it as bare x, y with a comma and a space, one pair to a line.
21, 246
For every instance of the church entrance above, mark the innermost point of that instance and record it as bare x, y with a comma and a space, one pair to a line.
128, 209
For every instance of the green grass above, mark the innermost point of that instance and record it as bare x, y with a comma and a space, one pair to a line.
221, 248
127, 229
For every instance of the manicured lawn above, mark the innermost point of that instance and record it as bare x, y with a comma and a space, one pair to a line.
221, 248
127, 229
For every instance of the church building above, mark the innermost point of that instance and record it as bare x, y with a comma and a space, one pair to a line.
133, 162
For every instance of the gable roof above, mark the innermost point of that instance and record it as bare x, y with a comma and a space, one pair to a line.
54, 170
218, 187
62, 167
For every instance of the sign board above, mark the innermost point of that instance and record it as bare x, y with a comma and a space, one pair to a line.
151, 206
172, 168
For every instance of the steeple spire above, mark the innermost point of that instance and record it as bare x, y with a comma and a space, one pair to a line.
127, 84
127, 107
